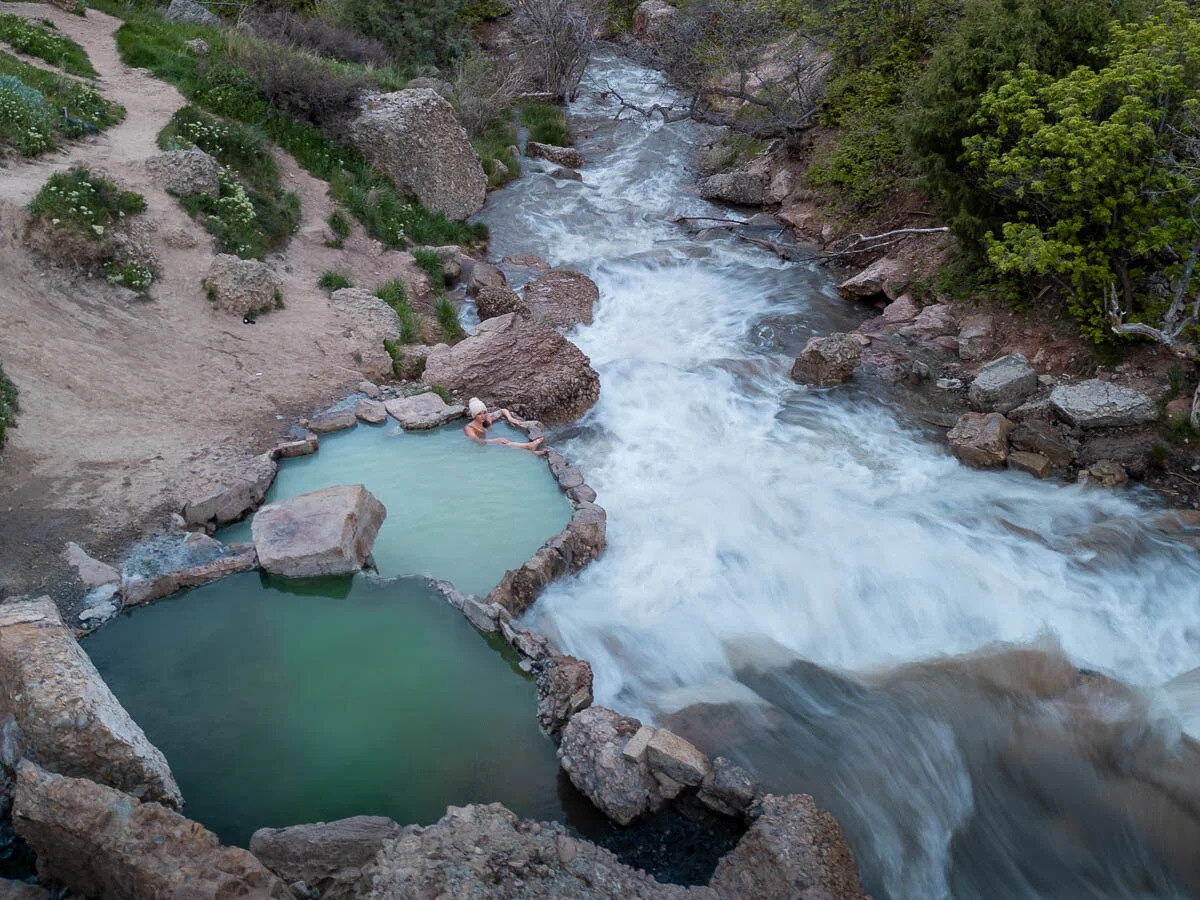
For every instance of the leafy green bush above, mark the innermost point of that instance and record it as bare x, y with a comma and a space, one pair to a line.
8, 405
1095, 172
39, 109
395, 295
447, 317
35, 40
332, 280
417, 31
547, 124
428, 261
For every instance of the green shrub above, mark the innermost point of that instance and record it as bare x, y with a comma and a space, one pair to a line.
395, 295
8, 406
87, 204
417, 31
431, 264
547, 124
447, 317
332, 280
495, 151
35, 40
339, 225
39, 109
397, 355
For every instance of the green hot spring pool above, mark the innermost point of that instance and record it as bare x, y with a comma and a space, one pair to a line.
283, 701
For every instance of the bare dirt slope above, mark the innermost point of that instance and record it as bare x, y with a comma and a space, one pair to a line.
129, 405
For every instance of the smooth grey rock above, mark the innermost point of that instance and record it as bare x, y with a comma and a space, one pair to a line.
140, 589
976, 337
420, 412
1101, 404
332, 420
327, 856
190, 13
325, 532
70, 720
92, 572
1003, 384
371, 411
740, 188
370, 389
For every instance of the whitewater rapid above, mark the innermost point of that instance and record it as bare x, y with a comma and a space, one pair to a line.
755, 522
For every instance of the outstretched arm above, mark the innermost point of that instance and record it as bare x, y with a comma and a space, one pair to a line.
511, 419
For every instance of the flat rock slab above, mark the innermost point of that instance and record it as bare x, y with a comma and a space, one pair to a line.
371, 411
69, 718
1003, 384
1102, 404
421, 412
92, 572
325, 532
333, 420
328, 856
100, 842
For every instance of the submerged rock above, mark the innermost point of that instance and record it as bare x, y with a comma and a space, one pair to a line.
793, 849
981, 439
621, 787
325, 532
326, 856
70, 720
414, 138
1102, 404
827, 361
476, 852
101, 842
562, 298
421, 412
560, 156
526, 366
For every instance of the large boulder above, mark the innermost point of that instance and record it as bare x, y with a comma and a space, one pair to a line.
595, 757
653, 20
981, 439
740, 188
325, 532
326, 856
421, 412
190, 13
1003, 384
1101, 404
499, 300
564, 688
70, 720
793, 849
560, 156
236, 493
370, 322
526, 366
242, 286
186, 172
100, 842
827, 361
562, 298
487, 853
413, 137
887, 276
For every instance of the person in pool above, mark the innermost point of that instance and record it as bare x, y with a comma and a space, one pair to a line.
481, 421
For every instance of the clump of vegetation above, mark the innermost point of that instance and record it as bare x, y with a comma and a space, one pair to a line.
83, 218
340, 226
395, 295
221, 86
36, 40
332, 280
39, 109
496, 152
447, 317
252, 214
8, 406
318, 35
547, 124
431, 264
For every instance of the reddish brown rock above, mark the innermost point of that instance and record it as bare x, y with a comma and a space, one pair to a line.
981, 439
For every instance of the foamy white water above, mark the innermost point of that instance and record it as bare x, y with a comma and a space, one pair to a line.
743, 508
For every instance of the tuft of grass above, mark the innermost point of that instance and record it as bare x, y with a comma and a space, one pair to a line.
39, 109
441, 392
395, 295
8, 406
45, 44
547, 124
431, 264
447, 317
500, 164
332, 280
340, 226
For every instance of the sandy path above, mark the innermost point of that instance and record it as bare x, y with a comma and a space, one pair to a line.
129, 406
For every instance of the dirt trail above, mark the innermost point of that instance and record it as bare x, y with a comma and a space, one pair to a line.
128, 406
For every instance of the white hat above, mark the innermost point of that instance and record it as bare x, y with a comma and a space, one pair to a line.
476, 406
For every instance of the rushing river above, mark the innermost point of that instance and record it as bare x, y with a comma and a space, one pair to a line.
807, 582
